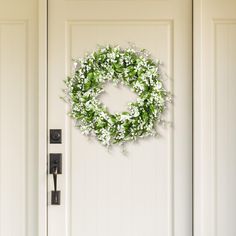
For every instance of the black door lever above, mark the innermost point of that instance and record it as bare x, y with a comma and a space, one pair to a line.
56, 195
55, 169
55, 178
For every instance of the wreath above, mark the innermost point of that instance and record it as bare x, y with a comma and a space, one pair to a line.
131, 67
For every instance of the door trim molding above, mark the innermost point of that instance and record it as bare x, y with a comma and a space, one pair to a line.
42, 133
204, 174
198, 197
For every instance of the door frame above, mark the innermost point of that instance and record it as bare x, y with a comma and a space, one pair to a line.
43, 127
204, 169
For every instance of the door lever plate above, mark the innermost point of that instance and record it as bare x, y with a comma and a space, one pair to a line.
56, 198
55, 160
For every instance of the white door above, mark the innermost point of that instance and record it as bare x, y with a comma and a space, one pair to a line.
149, 191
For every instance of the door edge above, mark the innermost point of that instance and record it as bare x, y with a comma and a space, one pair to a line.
42, 125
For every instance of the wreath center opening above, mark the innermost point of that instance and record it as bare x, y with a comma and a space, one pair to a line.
117, 97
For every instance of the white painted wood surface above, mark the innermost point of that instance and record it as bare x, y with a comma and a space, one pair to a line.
127, 193
215, 115
18, 118
42, 123
147, 192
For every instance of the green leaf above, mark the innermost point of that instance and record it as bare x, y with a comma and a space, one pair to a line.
87, 85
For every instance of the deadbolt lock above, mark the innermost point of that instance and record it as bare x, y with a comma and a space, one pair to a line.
55, 136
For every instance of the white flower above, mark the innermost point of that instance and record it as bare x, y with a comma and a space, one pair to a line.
135, 112
124, 117
139, 86
75, 64
159, 85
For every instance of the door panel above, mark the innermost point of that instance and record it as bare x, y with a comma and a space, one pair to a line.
115, 193
148, 191
18, 119
215, 113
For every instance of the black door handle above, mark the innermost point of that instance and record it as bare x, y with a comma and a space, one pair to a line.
56, 195
55, 169
55, 178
